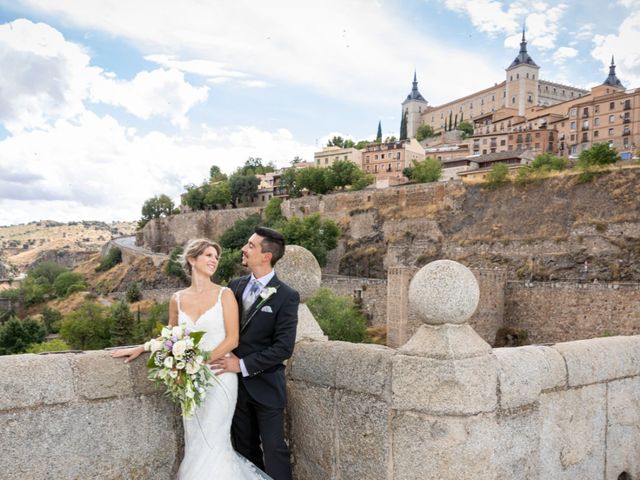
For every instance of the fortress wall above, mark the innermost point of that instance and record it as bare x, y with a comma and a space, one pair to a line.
370, 293
536, 413
85, 415
558, 312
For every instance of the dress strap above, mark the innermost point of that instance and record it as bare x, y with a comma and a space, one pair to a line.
222, 289
178, 300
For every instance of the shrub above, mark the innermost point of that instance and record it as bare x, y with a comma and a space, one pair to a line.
272, 212
133, 293
229, 266
17, 335
51, 319
121, 324
338, 316
55, 345
598, 154
497, 176
429, 170
62, 286
87, 328
110, 260
174, 268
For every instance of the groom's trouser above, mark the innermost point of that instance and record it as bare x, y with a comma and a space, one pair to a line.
254, 423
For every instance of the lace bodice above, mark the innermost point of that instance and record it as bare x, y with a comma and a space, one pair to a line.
211, 322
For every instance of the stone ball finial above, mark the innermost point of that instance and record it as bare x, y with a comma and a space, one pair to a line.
300, 269
444, 291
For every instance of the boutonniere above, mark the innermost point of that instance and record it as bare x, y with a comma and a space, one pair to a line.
265, 295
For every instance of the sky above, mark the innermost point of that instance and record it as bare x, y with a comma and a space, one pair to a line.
106, 103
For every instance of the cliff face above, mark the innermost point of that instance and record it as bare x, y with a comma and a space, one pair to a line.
545, 230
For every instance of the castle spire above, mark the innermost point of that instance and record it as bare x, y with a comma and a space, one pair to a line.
523, 56
415, 94
612, 79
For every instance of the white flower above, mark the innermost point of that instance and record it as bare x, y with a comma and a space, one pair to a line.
180, 365
267, 292
168, 362
189, 392
154, 345
166, 332
176, 332
192, 368
173, 373
189, 342
179, 348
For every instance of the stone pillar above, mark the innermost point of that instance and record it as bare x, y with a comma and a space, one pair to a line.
399, 328
444, 382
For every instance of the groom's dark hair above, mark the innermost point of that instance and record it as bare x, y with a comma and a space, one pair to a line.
272, 242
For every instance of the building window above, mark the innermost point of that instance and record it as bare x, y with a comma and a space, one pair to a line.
326, 161
573, 125
503, 143
533, 76
527, 75
530, 99
585, 124
612, 105
612, 118
596, 121
382, 156
513, 99
572, 112
596, 109
375, 157
625, 141
611, 132
596, 134
511, 78
517, 76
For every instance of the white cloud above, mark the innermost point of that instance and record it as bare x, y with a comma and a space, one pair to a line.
330, 47
494, 17
93, 167
624, 45
46, 78
563, 54
585, 32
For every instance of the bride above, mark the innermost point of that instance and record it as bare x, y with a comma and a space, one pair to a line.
208, 307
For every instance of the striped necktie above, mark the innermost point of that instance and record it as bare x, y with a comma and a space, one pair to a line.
251, 295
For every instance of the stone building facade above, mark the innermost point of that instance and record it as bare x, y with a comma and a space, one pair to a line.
329, 155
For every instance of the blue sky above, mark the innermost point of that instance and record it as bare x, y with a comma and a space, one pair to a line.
104, 104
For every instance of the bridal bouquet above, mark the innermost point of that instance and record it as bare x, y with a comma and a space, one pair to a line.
177, 362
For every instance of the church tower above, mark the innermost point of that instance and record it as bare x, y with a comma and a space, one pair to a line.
522, 81
612, 80
412, 108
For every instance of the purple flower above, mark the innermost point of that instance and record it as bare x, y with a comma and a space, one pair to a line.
174, 338
168, 344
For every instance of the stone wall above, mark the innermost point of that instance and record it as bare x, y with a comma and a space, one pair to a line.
163, 234
369, 293
563, 412
85, 415
558, 312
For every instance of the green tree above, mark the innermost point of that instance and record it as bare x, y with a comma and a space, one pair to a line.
152, 323
429, 170
36, 290
313, 233
87, 328
156, 207
403, 125
121, 324
254, 166
219, 195
17, 335
343, 173
51, 319
110, 260
338, 316
348, 143
272, 212
133, 293
235, 237
65, 280
466, 128
546, 162
363, 182
194, 197
315, 179
216, 175
455, 122
450, 121
243, 188
497, 176
379, 134
336, 141
174, 268
229, 265
424, 131
289, 182
48, 270
598, 154
362, 144
55, 345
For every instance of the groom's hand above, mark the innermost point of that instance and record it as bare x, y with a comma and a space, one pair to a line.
227, 364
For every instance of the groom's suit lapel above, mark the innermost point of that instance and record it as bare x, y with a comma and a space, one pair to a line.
249, 314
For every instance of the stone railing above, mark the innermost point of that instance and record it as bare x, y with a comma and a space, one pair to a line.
442, 406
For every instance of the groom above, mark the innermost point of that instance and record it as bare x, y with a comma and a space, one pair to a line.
268, 320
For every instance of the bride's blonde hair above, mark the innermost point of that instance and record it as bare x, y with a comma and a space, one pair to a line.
194, 248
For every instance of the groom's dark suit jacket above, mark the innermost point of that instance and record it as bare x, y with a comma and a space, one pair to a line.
267, 338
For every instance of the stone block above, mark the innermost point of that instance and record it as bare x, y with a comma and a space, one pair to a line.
524, 372
446, 341
308, 327
623, 428
363, 367
364, 436
313, 362
139, 376
516, 447
600, 359
310, 410
445, 387
124, 438
100, 376
443, 448
32, 380
572, 435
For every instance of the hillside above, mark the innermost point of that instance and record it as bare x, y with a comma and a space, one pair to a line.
65, 243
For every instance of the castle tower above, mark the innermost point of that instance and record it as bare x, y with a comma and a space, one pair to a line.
612, 80
413, 107
522, 81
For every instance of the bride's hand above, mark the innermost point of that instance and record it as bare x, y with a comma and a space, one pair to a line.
131, 353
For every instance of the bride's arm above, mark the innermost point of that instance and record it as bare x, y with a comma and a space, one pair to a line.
134, 352
231, 326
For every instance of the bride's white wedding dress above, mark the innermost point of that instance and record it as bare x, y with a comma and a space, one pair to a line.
208, 454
